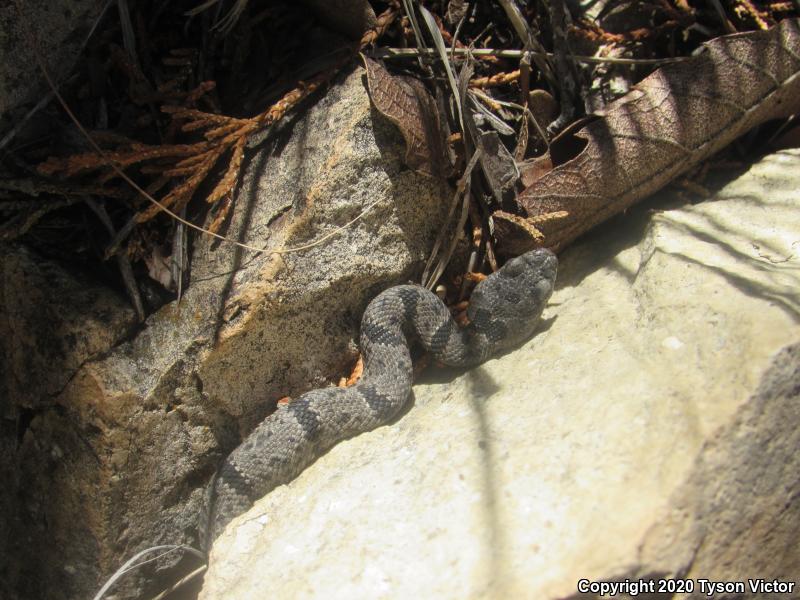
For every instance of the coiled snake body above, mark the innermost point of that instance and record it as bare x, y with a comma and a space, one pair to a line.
503, 312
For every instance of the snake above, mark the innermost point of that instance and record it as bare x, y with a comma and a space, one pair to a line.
503, 312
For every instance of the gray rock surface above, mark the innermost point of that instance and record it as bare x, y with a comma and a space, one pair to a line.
144, 426
651, 429
60, 27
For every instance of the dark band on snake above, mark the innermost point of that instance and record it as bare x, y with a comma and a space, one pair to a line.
503, 312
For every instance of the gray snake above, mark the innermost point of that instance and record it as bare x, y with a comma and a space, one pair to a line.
503, 312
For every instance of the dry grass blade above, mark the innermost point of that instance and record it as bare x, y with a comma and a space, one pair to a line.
496, 122
408, 5
128, 37
529, 41
726, 23
442, 50
181, 582
431, 275
131, 564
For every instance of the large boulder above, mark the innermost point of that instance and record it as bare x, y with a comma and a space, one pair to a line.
52, 322
649, 431
130, 436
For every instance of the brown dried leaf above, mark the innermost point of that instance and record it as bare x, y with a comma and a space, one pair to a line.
159, 267
407, 103
671, 121
532, 169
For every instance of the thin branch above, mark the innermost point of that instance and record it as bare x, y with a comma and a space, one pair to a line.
480, 52
294, 96
123, 262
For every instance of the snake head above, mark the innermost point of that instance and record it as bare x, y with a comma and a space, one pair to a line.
506, 306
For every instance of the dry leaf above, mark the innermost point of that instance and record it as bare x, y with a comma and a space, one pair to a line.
534, 168
674, 119
158, 268
407, 104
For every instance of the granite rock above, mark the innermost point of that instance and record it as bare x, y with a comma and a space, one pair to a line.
650, 430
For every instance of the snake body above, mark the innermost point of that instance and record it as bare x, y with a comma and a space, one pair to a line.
503, 312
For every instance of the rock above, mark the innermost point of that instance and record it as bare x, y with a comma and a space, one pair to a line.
52, 322
152, 418
59, 28
346, 16
650, 430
